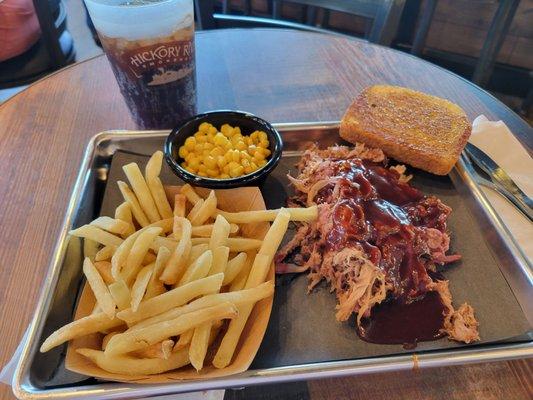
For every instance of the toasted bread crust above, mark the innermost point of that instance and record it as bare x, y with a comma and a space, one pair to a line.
424, 131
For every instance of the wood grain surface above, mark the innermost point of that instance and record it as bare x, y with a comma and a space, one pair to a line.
282, 76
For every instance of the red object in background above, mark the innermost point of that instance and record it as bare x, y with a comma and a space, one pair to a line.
19, 27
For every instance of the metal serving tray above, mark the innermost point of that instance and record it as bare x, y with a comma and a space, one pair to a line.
35, 372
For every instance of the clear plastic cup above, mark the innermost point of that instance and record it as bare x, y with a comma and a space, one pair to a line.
150, 45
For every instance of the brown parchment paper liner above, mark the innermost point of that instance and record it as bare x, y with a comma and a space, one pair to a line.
239, 199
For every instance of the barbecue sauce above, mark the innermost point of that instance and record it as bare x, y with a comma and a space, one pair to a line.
397, 322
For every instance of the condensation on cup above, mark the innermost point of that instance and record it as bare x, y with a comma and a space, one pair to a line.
150, 45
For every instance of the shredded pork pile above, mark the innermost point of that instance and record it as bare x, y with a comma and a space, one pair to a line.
376, 237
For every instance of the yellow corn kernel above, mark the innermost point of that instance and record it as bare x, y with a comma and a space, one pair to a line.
248, 170
182, 152
259, 156
204, 127
189, 157
194, 162
245, 155
264, 144
228, 146
245, 163
262, 163
262, 136
228, 156
224, 176
215, 152
225, 169
241, 145
248, 140
237, 130
227, 130
266, 152
190, 142
236, 155
221, 161
238, 171
208, 146
201, 138
254, 166
191, 170
212, 131
200, 173
220, 139
252, 149
213, 173
210, 162
233, 165
254, 136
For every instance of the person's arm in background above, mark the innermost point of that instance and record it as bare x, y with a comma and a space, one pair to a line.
19, 27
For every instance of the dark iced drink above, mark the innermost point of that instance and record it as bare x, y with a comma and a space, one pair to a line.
155, 70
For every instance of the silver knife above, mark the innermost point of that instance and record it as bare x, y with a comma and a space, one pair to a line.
500, 178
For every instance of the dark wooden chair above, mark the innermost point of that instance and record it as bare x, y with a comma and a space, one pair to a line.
53, 50
385, 16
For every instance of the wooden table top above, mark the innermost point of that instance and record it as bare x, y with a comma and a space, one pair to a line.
282, 76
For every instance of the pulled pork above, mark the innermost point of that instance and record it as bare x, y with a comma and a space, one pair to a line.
375, 238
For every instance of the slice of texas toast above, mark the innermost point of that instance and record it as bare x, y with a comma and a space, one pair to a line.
424, 131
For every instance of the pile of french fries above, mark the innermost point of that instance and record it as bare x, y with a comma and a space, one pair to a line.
166, 277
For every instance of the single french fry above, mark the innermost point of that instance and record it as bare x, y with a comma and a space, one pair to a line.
275, 234
96, 234
139, 286
205, 211
188, 191
104, 269
220, 234
115, 226
123, 212
107, 338
199, 269
99, 288
141, 190
245, 217
105, 253
172, 298
137, 253
199, 343
121, 294
258, 273
128, 365
220, 260
234, 266
151, 172
155, 286
184, 340
239, 282
90, 248
84, 326
238, 298
195, 209
161, 241
235, 244
180, 205
178, 260
144, 337
207, 230
197, 251
132, 200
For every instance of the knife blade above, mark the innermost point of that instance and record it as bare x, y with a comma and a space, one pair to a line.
499, 177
